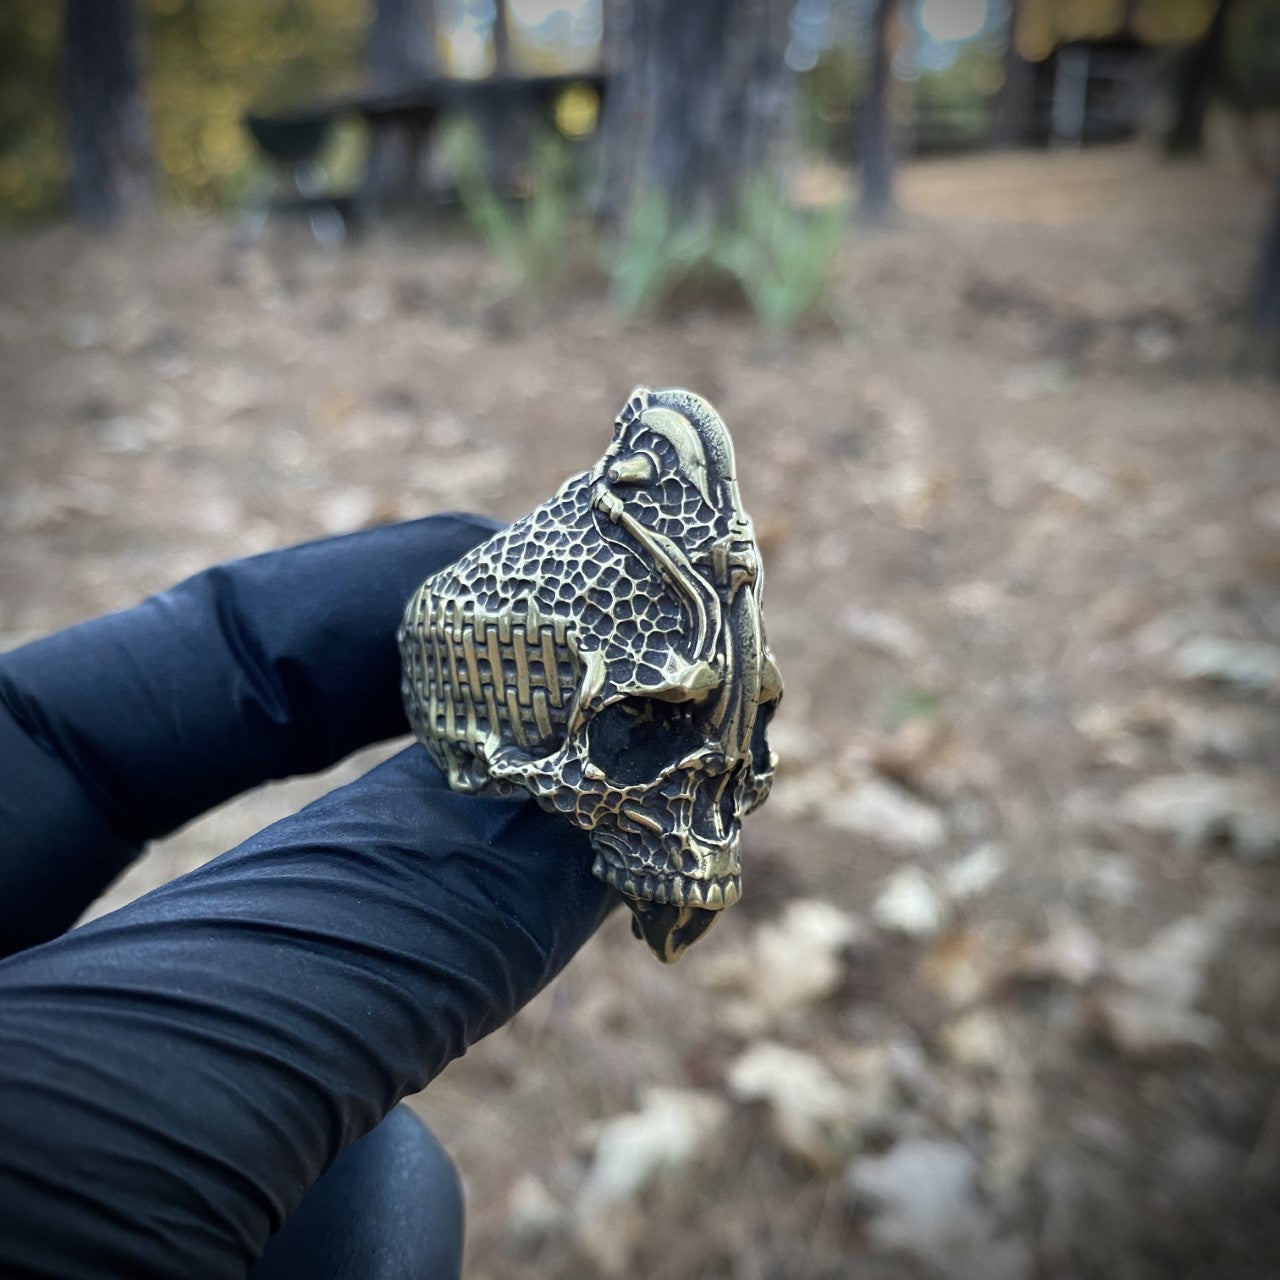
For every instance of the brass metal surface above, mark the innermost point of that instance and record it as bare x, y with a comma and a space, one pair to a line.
607, 654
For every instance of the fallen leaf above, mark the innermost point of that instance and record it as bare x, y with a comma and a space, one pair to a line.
1148, 1006
628, 1153
976, 872
879, 810
630, 1150
813, 1112
799, 957
922, 1200
882, 633
977, 1040
1248, 667
1200, 809
909, 904
532, 1213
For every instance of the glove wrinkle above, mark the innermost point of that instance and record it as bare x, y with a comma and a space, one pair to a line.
59, 848
123, 728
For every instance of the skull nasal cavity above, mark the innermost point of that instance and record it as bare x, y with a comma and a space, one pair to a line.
760, 752
636, 739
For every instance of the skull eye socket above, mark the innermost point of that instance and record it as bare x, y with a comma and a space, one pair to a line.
634, 739
761, 756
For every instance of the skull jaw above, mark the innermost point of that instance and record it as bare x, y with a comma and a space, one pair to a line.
644, 843
668, 930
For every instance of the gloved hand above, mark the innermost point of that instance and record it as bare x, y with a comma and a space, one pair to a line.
175, 1075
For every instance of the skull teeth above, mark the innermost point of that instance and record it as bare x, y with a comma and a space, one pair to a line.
682, 891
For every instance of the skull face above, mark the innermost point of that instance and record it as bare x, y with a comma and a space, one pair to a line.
607, 654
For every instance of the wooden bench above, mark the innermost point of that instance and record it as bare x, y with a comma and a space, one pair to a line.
408, 113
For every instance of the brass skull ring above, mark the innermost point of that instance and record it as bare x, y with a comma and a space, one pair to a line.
607, 654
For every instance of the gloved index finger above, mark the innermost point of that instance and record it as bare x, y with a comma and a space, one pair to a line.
177, 1073
255, 670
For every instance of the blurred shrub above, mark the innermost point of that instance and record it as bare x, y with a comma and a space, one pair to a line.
941, 108
777, 256
654, 254
951, 108
204, 62
825, 97
780, 255
531, 235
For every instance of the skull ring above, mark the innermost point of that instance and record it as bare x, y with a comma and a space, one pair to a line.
607, 654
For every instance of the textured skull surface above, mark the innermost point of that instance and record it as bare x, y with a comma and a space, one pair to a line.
607, 654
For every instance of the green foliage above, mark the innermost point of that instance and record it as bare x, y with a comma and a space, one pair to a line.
32, 155
655, 252
207, 61
531, 235
952, 107
1043, 23
825, 98
911, 703
779, 257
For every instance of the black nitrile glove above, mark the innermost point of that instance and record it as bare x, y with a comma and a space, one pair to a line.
175, 1075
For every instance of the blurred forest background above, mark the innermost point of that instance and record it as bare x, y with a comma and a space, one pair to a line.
988, 292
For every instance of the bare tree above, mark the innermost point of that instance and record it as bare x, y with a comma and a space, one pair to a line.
1198, 75
402, 39
1014, 101
501, 39
698, 102
402, 47
875, 124
1266, 287
107, 125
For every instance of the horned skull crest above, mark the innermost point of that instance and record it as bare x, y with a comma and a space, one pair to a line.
607, 654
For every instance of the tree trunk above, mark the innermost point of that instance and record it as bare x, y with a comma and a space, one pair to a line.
875, 125
107, 126
1201, 68
501, 39
1266, 289
698, 103
506, 135
1014, 102
402, 47
402, 40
